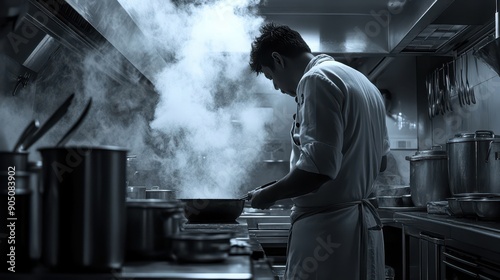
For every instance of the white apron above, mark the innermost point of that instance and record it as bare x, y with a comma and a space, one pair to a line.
339, 131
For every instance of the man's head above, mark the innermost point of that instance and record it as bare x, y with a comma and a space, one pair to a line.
275, 53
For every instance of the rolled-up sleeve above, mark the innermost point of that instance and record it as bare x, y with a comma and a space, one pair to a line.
321, 125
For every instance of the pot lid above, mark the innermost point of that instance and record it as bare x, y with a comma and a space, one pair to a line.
153, 203
435, 153
479, 135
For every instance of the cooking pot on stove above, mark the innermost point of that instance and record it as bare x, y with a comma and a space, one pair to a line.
149, 224
201, 247
428, 176
472, 163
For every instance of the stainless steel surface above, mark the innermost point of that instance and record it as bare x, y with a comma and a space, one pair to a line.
136, 192
234, 267
471, 163
201, 247
157, 193
146, 59
428, 177
149, 224
270, 227
490, 53
83, 198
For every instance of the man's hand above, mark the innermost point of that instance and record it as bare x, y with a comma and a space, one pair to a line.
260, 200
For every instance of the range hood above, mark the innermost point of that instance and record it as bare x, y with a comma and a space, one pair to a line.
49, 25
367, 34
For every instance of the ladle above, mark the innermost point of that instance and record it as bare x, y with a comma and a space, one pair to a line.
27, 132
51, 121
75, 126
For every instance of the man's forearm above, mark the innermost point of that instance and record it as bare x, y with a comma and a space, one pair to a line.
296, 183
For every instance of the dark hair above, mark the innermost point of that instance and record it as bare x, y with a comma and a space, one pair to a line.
275, 38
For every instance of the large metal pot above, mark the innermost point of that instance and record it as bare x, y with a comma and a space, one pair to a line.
428, 176
83, 208
205, 210
149, 224
472, 163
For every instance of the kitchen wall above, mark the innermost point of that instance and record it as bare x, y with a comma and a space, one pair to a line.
399, 78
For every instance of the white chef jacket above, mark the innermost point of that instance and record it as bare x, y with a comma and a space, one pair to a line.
339, 131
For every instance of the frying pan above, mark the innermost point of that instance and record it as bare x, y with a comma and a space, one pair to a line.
215, 210
212, 210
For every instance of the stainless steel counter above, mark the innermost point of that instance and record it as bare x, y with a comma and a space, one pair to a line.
234, 267
472, 235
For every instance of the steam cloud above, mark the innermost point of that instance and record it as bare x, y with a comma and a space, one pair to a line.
202, 129
205, 103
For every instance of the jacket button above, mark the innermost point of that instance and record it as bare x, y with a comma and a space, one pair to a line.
297, 124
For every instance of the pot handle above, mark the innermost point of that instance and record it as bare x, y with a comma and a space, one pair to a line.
485, 132
489, 151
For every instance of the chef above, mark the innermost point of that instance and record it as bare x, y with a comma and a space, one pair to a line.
339, 140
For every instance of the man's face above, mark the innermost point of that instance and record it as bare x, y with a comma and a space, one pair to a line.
281, 79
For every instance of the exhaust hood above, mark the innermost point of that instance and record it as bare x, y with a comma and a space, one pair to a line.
48, 25
367, 34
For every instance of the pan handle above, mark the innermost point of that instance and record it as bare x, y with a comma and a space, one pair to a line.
249, 195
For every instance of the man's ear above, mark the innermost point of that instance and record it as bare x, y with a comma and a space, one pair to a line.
278, 59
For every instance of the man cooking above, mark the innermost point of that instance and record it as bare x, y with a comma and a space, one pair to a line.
339, 140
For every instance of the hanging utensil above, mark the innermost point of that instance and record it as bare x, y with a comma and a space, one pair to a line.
462, 85
473, 95
75, 126
451, 87
27, 132
51, 121
428, 87
467, 87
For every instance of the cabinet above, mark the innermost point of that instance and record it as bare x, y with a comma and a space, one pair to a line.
442, 247
423, 254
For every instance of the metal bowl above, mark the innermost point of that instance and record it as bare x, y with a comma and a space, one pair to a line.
467, 206
390, 201
454, 207
487, 208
